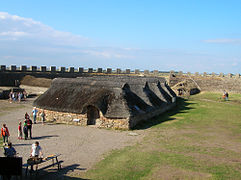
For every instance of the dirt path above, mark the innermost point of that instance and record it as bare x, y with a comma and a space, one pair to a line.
80, 147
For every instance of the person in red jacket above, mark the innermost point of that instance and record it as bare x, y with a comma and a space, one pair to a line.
5, 134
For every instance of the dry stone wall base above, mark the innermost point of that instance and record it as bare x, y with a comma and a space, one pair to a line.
103, 122
147, 116
81, 119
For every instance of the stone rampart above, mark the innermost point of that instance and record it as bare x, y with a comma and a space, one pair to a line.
11, 76
213, 83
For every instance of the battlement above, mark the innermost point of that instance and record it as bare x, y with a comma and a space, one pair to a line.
72, 70
80, 70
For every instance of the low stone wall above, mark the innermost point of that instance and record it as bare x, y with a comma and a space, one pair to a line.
113, 123
148, 116
81, 119
103, 122
65, 117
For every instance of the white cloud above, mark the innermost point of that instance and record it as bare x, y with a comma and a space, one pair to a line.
109, 54
13, 33
35, 36
224, 41
14, 27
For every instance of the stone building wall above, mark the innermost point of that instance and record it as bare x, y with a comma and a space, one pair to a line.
65, 117
103, 122
81, 119
147, 116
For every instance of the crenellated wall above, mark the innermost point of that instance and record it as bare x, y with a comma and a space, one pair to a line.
53, 70
12, 75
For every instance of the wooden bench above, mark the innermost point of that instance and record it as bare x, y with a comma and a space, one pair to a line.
48, 158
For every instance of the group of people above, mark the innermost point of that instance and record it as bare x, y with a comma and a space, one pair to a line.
17, 96
9, 150
36, 150
26, 130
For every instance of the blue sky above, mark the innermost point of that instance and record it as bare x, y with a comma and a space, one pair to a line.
191, 35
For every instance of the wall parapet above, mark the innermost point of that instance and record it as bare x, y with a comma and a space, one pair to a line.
82, 70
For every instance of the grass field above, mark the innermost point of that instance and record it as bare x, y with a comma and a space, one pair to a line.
200, 139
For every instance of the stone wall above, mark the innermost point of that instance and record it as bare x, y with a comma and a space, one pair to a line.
81, 120
103, 122
148, 116
11, 76
210, 83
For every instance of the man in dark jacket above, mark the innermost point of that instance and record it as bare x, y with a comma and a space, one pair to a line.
29, 126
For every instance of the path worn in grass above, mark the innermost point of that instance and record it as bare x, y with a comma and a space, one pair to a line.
201, 139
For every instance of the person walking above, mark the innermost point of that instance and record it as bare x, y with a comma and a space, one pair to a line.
226, 97
20, 132
25, 130
34, 112
43, 116
29, 126
5, 134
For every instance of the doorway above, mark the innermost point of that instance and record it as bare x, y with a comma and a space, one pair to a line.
92, 115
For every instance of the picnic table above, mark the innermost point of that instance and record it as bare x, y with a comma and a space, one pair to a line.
43, 160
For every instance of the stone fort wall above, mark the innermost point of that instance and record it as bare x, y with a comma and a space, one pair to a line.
12, 75
212, 82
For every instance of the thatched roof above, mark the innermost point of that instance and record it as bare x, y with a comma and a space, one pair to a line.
114, 96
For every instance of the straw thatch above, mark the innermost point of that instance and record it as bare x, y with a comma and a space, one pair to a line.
114, 96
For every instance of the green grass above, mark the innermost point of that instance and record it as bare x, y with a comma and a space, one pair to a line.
200, 139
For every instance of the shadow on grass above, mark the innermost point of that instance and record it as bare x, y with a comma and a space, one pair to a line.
51, 174
181, 107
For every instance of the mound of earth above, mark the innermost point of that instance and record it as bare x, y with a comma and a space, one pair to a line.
186, 88
33, 81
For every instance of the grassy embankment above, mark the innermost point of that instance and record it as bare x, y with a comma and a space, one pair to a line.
200, 139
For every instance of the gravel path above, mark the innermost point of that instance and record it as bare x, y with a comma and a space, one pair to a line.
80, 147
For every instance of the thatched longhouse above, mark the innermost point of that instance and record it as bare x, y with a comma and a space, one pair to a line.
119, 102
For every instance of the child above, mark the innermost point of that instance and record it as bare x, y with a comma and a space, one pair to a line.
25, 130
5, 134
26, 116
20, 133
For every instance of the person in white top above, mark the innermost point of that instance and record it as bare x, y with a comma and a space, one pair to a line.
36, 150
